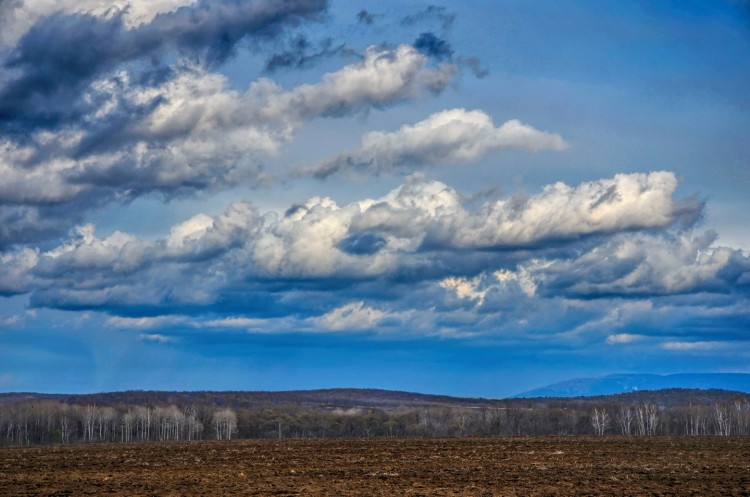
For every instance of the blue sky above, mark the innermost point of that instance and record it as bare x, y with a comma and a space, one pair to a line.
464, 199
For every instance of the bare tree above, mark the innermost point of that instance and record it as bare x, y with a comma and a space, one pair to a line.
89, 420
193, 423
225, 423
599, 420
722, 421
625, 417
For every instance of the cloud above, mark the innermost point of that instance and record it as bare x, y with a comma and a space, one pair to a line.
622, 338
692, 346
144, 322
450, 136
15, 277
301, 53
474, 65
384, 76
355, 316
60, 55
188, 133
419, 260
465, 288
272, 265
365, 17
17, 16
647, 264
156, 338
431, 13
432, 46
236, 322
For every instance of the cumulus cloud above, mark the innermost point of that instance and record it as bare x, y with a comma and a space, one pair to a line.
383, 77
188, 133
15, 277
647, 264
60, 55
420, 231
102, 102
355, 316
450, 136
17, 16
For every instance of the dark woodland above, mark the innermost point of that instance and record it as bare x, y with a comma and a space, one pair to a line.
37, 419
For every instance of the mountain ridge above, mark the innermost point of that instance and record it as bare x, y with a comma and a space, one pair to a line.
624, 383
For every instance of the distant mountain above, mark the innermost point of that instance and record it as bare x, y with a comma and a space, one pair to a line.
623, 383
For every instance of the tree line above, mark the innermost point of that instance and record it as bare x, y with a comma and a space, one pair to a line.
33, 422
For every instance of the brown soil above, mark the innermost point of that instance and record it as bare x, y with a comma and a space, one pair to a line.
385, 467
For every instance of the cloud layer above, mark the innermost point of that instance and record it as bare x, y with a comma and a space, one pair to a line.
415, 255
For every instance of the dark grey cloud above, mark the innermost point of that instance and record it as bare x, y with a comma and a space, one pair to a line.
440, 49
301, 53
365, 17
365, 243
432, 13
63, 53
474, 65
432, 46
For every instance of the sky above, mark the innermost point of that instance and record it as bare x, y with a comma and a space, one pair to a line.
473, 199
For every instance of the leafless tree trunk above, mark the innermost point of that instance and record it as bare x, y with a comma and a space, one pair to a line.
225, 423
625, 418
599, 420
722, 420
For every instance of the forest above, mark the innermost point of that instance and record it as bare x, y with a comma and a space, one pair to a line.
35, 419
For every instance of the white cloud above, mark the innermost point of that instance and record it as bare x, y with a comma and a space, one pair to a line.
236, 322
623, 338
144, 322
562, 212
355, 316
421, 228
156, 338
450, 136
15, 270
18, 17
465, 288
11, 321
384, 76
194, 132
690, 346
189, 231
648, 263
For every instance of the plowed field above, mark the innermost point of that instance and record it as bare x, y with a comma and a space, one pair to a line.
385, 467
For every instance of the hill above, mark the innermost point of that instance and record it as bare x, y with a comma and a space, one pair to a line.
388, 400
623, 383
334, 398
